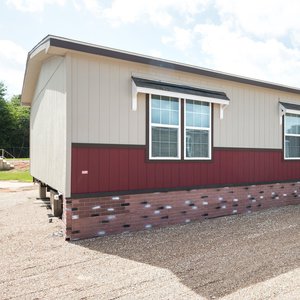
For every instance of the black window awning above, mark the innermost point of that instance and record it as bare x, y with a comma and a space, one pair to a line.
147, 86
183, 91
289, 106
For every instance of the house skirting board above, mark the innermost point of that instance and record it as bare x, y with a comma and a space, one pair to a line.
96, 216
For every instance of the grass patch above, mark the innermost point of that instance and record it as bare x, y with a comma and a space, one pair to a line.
12, 159
16, 175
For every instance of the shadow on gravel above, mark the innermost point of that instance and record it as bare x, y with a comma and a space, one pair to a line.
217, 257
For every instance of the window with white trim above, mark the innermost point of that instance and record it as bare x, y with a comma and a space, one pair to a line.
164, 127
292, 136
197, 129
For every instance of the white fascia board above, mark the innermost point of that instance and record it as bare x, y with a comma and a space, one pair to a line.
42, 48
292, 111
180, 95
33, 66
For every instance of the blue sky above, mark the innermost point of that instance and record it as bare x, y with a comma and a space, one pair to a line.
258, 38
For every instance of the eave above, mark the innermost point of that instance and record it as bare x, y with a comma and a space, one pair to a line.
54, 45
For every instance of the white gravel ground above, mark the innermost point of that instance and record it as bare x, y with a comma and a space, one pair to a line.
256, 256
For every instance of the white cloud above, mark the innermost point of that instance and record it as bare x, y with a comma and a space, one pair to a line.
12, 64
267, 18
155, 53
133, 11
181, 38
33, 5
77, 5
91, 5
233, 52
158, 12
259, 39
295, 39
12, 52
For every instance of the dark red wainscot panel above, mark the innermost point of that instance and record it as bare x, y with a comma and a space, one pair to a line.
114, 169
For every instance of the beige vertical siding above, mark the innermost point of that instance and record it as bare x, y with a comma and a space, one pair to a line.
252, 118
101, 105
48, 124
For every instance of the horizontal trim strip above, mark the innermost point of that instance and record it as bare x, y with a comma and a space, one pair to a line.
96, 145
165, 190
247, 149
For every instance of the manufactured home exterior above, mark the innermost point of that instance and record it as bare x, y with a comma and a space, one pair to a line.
128, 142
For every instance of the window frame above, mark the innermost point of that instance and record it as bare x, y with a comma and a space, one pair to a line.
181, 133
200, 129
178, 127
288, 134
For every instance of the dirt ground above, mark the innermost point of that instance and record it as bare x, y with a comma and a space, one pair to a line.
20, 165
255, 256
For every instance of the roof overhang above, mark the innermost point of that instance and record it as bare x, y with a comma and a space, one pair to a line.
35, 58
54, 45
34, 62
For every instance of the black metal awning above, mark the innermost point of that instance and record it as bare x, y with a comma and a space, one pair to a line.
176, 88
290, 106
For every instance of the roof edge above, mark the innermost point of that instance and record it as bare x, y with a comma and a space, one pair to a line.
32, 69
75, 45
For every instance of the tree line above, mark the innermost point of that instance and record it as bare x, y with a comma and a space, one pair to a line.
14, 124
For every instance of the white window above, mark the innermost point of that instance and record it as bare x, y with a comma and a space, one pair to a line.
164, 126
197, 120
292, 136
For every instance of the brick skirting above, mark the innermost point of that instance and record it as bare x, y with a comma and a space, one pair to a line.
100, 216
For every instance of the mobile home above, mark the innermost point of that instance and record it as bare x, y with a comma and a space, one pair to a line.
127, 142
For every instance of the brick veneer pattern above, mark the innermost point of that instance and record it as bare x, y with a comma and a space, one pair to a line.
99, 216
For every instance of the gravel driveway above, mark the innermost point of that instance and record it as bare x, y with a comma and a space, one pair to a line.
255, 256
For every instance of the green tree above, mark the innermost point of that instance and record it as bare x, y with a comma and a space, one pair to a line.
2, 90
19, 137
14, 123
6, 122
